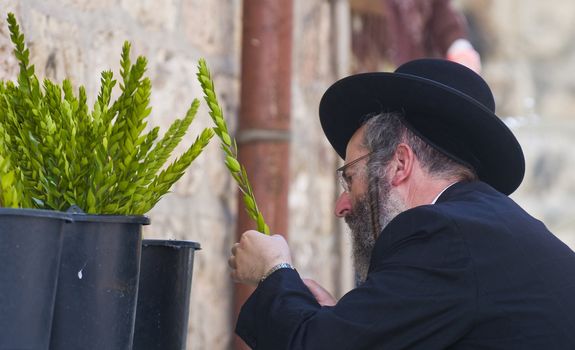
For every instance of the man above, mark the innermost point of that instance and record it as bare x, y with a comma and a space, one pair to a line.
447, 260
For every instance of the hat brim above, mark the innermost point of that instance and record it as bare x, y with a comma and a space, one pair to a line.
450, 121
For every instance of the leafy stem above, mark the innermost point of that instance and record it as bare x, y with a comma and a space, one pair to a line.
230, 148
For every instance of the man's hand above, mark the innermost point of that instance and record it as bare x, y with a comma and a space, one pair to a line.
323, 297
255, 254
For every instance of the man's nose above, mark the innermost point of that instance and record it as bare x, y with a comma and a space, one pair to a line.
342, 205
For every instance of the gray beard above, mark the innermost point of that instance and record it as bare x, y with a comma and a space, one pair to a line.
363, 232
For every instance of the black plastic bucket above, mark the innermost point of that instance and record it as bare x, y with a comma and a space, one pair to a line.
98, 283
30, 244
164, 294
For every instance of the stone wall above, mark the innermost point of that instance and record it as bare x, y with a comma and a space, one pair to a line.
529, 59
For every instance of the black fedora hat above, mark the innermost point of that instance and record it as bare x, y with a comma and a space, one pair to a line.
448, 105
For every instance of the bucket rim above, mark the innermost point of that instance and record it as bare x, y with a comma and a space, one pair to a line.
42, 213
75, 217
173, 243
123, 219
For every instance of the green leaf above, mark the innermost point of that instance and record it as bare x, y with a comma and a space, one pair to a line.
226, 140
232, 164
249, 203
8, 180
261, 223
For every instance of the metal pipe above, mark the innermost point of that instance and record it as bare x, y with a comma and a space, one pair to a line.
264, 120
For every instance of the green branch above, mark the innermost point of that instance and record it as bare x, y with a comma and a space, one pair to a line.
229, 146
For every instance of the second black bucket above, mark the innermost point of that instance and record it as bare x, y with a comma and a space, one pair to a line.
98, 283
164, 294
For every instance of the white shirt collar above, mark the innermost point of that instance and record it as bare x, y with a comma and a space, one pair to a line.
440, 193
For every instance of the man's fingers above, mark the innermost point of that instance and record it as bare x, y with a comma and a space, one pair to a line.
232, 262
235, 248
323, 297
232, 259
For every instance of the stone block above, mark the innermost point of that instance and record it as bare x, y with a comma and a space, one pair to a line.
8, 62
152, 15
86, 5
56, 48
104, 53
312, 29
214, 25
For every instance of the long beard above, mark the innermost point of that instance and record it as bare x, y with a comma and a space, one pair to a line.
364, 232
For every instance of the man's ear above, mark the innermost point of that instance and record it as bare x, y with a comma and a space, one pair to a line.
401, 166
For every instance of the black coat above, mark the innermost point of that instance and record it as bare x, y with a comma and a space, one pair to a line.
473, 271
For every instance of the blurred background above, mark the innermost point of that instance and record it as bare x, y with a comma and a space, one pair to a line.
271, 61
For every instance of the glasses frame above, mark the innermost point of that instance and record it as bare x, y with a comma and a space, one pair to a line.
344, 180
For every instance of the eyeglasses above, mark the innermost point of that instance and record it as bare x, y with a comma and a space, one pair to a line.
344, 179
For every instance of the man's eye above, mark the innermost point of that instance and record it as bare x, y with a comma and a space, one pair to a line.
347, 178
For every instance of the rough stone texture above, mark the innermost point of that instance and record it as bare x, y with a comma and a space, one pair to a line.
529, 59
8, 64
203, 27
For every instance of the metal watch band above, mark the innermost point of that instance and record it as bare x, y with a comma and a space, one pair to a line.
275, 268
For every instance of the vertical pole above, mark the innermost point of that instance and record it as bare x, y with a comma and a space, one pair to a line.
264, 121
341, 38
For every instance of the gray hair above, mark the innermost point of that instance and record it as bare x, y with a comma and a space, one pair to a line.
385, 131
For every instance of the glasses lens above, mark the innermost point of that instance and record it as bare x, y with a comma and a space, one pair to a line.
343, 180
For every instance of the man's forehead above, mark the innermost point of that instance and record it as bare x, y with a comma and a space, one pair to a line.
355, 143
